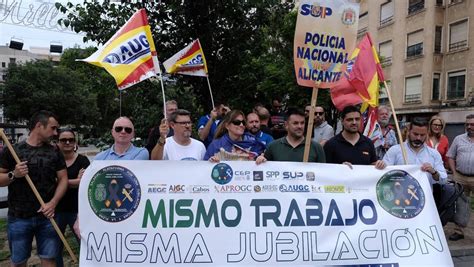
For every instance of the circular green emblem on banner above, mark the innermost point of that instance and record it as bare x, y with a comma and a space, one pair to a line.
114, 193
222, 173
400, 194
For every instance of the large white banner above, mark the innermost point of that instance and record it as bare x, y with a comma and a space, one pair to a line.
277, 213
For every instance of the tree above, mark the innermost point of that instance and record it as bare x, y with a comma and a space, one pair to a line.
248, 44
40, 85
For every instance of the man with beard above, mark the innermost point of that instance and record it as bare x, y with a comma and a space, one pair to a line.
388, 137
349, 146
180, 146
253, 127
207, 124
461, 161
291, 146
46, 167
418, 153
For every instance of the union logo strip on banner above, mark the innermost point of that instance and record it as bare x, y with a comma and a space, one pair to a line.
128, 55
238, 213
325, 34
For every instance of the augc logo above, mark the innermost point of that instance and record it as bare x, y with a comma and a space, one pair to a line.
114, 193
315, 11
222, 173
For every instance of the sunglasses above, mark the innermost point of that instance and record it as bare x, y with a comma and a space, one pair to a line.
319, 113
119, 129
67, 140
238, 122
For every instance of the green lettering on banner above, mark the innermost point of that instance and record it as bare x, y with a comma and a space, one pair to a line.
154, 216
201, 214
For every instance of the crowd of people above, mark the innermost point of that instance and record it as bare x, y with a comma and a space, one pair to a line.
223, 134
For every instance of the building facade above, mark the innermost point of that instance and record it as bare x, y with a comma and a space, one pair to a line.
426, 51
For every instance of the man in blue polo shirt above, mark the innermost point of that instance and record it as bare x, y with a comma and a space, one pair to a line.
349, 146
253, 127
123, 149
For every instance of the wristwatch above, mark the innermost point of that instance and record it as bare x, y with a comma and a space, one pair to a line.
161, 141
11, 176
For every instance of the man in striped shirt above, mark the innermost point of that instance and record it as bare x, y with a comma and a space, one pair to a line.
461, 161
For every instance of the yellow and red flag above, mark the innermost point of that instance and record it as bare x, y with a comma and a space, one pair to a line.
130, 55
361, 82
189, 61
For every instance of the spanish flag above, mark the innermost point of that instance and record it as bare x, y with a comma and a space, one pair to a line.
189, 61
130, 55
361, 82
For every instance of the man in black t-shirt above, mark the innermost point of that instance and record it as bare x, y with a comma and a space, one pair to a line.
349, 146
47, 169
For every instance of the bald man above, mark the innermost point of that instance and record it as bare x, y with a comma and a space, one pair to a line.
123, 132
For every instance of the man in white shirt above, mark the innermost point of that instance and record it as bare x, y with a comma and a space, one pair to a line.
180, 146
419, 153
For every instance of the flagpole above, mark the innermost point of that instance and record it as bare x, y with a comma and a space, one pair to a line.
210, 91
307, 143
400, 139
38, 196
120, 103
156, 63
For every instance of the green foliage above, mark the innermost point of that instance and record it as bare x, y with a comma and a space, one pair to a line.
248, 46
43, 85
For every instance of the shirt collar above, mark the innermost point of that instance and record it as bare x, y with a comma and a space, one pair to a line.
112, 150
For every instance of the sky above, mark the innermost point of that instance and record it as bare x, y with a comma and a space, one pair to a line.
12, 24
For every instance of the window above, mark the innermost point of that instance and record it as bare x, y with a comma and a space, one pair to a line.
435, 89
385, 51
12, 60
4, 64
386, 13
363, 24
439, 2
382, 92
456, 84
415, 44
413, 89
458, 35
438, 39
415, 6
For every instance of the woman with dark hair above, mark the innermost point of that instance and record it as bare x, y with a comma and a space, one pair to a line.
67, 208
231, 142
436, 139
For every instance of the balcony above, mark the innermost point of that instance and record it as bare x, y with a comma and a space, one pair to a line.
413, 98
458, 45
415, 50
386, 21
361, 31
413, 8
385, 61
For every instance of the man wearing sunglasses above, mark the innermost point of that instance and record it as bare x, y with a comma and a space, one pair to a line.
322, 130
123, 149
180, 146
461, 161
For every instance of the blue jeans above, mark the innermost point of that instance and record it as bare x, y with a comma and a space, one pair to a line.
63, 219
20, 236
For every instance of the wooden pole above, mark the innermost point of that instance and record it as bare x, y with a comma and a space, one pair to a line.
307, 144
400, 139
38, 196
